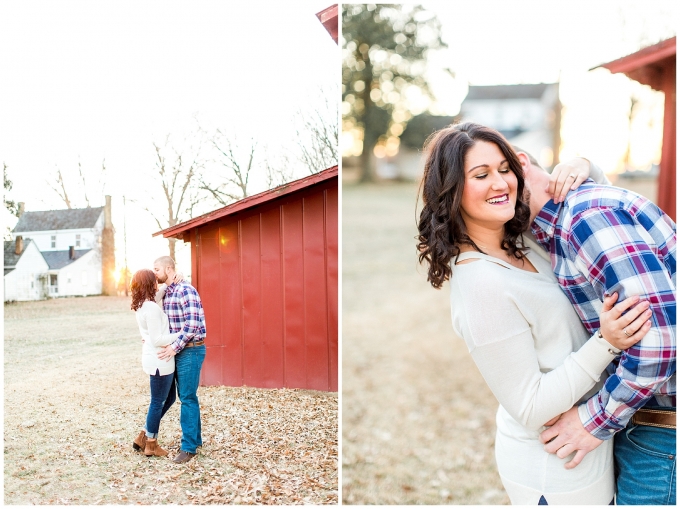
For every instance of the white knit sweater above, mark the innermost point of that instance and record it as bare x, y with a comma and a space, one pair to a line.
154, 328
538, 361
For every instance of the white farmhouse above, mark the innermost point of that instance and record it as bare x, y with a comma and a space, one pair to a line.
77, 247
25, 271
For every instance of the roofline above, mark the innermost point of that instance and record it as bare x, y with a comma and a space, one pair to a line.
329, 19
251, 201
640, 58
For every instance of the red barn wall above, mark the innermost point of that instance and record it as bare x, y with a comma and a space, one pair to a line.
268, 279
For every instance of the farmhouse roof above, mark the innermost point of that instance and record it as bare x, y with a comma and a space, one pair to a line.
60, 259
250, 202
11, 258
522, 91
67, 219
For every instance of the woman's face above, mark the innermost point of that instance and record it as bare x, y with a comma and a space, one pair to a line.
490, 190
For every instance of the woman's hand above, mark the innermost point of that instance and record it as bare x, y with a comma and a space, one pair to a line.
623, 331
568, 176
179, 277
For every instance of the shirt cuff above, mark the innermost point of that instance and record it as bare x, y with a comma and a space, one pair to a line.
595, 356
597, 432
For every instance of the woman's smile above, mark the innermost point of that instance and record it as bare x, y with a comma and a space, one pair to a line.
490, 190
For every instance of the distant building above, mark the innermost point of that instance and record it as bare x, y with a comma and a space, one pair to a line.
76, 246
528, 115
25, 270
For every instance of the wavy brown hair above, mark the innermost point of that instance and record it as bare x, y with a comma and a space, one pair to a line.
441, 229
143, 288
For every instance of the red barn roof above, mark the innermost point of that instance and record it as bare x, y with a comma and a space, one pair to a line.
329, 19
249, 202
646, 65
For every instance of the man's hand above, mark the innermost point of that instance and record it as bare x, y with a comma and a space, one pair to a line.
568, 176
167, 353
568, 435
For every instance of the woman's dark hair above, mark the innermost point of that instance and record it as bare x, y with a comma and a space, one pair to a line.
143, 288
441, 229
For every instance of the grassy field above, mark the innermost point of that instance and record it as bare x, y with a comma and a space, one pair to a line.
76, 396
418, 419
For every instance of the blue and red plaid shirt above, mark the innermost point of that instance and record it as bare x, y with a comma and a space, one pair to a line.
185, 313
602, 240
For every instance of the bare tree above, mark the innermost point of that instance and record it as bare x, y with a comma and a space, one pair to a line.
317, 133
239, 162
59, 185
178, 176
278, 169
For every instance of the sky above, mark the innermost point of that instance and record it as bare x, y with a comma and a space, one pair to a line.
93, 81
531, 41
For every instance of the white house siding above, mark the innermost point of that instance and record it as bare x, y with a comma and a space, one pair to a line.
24, 282
82, 277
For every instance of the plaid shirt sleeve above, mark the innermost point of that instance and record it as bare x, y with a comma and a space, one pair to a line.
617, 255
192, 310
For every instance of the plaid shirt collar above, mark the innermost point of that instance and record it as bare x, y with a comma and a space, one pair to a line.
544, 225
171, 288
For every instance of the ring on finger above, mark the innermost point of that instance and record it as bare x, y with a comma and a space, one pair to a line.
571, 175
626, 332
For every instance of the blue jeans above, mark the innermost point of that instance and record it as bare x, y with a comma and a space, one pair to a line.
645, 465
188, 364
162, 398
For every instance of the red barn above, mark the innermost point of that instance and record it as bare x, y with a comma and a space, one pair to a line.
655, 66
266, 268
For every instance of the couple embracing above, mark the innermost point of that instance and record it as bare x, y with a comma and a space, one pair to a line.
564, 292
172, 325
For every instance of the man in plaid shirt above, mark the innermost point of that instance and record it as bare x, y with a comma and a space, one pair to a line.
185, 315
603, 240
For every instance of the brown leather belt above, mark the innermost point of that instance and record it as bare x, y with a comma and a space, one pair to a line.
195, 343
656, 418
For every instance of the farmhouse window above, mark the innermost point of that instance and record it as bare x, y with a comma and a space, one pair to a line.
53, 240
78, 240
83, 278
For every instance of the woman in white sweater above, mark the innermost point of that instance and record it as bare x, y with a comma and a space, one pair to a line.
521, 330
154, 328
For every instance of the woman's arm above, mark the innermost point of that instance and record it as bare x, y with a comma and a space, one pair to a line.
158, 335
510, 367
160, 293
571, 174
502, 345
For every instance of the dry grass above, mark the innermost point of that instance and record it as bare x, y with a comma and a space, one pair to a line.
75, 398
418, 419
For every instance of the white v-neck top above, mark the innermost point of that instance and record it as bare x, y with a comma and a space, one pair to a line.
538, 360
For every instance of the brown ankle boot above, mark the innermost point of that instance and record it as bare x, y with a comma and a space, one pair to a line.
139, 443
153, 449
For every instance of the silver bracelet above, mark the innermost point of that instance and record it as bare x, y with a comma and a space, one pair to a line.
611, 349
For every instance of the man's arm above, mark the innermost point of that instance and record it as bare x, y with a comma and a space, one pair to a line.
192, 311
610, 251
